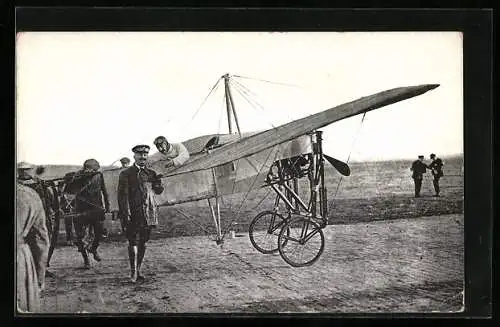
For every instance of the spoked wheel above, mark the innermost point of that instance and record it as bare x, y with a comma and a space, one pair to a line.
264, 231
301, 242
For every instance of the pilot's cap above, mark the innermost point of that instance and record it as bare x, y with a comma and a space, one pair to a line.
141, 148
25, 165
91, 164
125, 160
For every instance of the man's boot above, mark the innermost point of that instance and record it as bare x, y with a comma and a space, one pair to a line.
95, 254
86, 261
132, 256
140, 256
85, 254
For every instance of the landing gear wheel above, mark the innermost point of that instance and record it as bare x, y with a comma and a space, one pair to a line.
264, 231
301, 242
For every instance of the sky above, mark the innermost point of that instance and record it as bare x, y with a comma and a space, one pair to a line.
97, 94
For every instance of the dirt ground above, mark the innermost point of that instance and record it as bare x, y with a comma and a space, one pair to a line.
402, 265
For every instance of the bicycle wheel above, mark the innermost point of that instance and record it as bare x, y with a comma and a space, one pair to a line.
301, 242
264, 231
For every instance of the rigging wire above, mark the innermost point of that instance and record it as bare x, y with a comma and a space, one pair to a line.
216, 86
262, 200
193, 221
350, 152
255, 96
251, 95
213, 89
241, 92
247, 192
263, 80
276, 147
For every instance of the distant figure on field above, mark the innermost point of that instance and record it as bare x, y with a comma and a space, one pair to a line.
436, 167
175, 154
138, 211
125, 162
419, 168
91, 191
32, 248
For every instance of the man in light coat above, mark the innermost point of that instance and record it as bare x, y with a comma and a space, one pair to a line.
32, 248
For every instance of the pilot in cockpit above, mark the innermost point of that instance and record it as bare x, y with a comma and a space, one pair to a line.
175, 154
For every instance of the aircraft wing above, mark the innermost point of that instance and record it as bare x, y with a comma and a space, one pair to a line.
267, 139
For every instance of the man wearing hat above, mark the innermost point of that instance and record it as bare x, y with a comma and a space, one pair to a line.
125, 162
137, 189
419, 168
90, 192
175, 154
25, 176
436, 167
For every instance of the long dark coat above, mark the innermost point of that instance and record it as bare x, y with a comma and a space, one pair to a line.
136, 195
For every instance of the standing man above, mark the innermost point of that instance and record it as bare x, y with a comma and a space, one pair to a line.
32, 248
419, 168
25, 176
175, 154
436, 167
90, 193
125, 162
47, 195
137, 187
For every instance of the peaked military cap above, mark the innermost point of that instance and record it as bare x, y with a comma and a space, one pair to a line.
124, 159
432, 155
24, 165
141, 148
420, 156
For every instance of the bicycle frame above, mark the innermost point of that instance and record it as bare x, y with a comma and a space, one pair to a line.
285, 183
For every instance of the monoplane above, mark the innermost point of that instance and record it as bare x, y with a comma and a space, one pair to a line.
281, 158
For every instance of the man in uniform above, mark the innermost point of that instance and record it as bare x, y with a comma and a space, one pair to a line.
125, 162
436, 167
419, 168
175, 154
137, 187
90, 192
32, 248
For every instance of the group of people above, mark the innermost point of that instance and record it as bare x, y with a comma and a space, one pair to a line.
137, 209
138, 187
419, 168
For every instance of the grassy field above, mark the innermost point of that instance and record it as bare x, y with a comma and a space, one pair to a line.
374, 191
